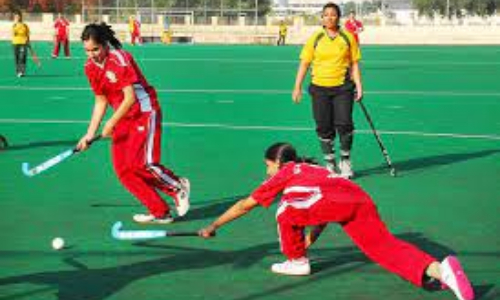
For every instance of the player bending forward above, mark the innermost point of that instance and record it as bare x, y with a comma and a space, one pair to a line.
312, 196
134, 127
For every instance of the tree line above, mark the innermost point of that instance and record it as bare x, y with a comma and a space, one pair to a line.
75, 6
457, 8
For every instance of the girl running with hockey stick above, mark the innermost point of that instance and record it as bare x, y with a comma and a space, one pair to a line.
313, 196
135, 126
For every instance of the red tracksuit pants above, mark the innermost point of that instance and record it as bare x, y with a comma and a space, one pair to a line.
136, 154
362, 223
135, 37
57, 42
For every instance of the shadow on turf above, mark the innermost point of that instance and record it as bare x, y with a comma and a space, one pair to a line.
212, 210
41, 145
215, 208
39, 75
427, 162
88, 283
83, 282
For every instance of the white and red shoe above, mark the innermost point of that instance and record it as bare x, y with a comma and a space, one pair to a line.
453, 276
182, 197
150, 219
294, 267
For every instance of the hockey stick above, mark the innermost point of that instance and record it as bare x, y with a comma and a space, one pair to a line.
53, 161
379, 140
135, 235
34, 57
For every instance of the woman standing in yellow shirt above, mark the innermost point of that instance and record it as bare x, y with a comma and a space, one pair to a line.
20, 41
333, 56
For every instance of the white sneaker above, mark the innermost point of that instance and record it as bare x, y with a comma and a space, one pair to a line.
453, 276
182, 197
295, 267
331, 167
150, 219
346, 169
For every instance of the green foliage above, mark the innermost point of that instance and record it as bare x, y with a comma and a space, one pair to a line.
74, 6
456, 7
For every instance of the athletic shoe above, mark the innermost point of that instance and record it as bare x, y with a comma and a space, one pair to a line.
294, 267
330, 163
346, 168
331, 167
453, 276
182, 197
150, 219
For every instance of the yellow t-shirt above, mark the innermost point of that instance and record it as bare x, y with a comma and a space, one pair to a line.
20, 33
283, 29
330, 58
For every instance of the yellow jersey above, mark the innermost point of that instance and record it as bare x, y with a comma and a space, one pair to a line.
283, 29
20, 33
131, 25
330, 58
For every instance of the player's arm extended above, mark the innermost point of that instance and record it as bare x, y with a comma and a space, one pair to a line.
239, 209
128, 101
314, 234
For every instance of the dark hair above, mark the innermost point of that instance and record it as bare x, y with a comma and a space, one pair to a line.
18, 13
335, 7
285, 152
101, 34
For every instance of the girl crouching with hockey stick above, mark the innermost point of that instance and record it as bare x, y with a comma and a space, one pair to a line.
313, 196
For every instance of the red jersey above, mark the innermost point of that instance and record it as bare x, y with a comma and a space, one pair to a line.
302, 185
61, 25
354, 27
137, 26
118, 71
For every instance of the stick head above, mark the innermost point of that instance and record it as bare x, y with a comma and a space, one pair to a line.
115, 230
393, 172
26, 169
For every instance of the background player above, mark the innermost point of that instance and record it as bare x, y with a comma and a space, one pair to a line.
61, 36
20, 43
135, 126
282, 33
354, 26
134, 27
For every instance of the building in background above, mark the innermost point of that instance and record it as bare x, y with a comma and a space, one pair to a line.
397, 11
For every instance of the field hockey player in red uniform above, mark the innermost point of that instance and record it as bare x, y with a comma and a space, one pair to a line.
313, 196
134, 127
61, 36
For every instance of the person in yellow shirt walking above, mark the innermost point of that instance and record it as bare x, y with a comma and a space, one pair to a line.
333, 55
282, 33
20, 42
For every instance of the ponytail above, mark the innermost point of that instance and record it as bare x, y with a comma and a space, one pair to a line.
102, 34
285, 152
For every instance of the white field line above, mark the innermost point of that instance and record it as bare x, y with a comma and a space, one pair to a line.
267, 128
260, 92
295, 61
